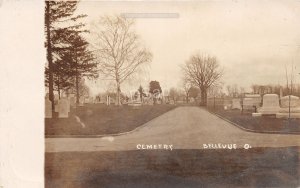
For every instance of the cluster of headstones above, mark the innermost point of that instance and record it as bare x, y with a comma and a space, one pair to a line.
249, 102
287, 106
63, 105
290, 107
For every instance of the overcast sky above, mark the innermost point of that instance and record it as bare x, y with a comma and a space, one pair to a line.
253, 40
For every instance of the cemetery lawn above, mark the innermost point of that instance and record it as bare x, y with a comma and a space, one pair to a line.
256, 167
99, 119
263, 124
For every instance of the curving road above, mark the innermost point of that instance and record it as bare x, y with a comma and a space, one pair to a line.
183, 128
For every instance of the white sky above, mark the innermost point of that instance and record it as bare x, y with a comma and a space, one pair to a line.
253, 40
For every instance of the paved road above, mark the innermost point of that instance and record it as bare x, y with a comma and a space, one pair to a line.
183, 127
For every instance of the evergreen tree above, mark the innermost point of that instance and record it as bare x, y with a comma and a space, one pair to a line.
67, 53
56, 12
81, 60
154, 87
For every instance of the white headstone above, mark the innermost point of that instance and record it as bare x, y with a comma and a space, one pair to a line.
91, 100
252, 95
227, 104
236, 104
292, 101
172, 101
63, 108
270, 104
102, 99
248, 103
72, 101
48, 108
254, 99
107, 100
290, 107
86, 100
81, 101
56, 97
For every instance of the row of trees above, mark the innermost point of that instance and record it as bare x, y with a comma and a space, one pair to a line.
68, 56
114, 50
116, 54
278, 89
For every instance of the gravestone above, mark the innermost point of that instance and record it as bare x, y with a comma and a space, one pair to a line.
158, 102
113, 101
252, 95
72, 100
290, 107
251, 101
81, 101
256, 99
48, 108
107, 100
63, 108
227, 104
91, 99
172, 102
236, 104
148, 101
86, 100
248, 104
56, 98
270, 104
135, 104
294, 101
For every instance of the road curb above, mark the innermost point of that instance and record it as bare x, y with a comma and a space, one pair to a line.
250, 130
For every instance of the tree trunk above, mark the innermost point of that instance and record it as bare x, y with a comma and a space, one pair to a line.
118, 94
77, 88
58, 87
141, 97
58, 90
76, 79
203, 97
49, 54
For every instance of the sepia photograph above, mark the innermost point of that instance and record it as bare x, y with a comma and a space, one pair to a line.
171, 94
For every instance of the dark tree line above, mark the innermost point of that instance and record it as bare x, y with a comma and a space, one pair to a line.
285, 90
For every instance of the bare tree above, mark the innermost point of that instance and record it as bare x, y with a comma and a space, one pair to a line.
255, 88
118, 49
186, 85
202, 71
215, 90
174, 94
290, 85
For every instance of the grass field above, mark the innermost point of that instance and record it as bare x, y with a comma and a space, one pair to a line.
260, 124
98, 119
257, 167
